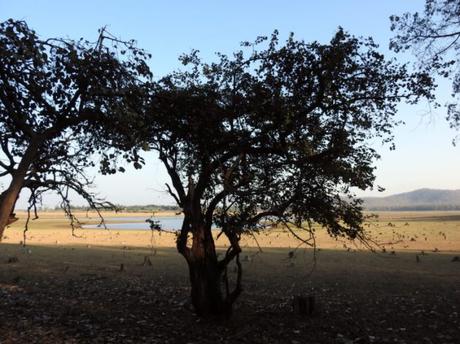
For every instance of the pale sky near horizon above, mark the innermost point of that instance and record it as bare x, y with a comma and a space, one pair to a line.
424, 155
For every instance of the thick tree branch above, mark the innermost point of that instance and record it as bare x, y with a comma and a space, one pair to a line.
174, 178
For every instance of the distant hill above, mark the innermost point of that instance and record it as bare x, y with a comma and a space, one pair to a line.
422, 199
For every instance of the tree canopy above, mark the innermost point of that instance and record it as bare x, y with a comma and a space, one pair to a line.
279, 136
434, 37
62, 101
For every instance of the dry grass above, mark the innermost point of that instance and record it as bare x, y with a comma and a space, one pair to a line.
73, 290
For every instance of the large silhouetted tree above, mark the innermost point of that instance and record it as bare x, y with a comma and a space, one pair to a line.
276, 137
434, 37
62, 101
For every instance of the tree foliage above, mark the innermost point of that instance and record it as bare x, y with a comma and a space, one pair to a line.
434, 38
278, 136
61, 102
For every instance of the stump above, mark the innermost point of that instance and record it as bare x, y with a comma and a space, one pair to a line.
122, 267
304, 305
456, 259
147, 261
13, 260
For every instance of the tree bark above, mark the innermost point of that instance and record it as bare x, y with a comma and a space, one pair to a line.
206, 276
207, 296
9, 197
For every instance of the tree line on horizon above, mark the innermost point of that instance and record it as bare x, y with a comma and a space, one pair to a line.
130, 208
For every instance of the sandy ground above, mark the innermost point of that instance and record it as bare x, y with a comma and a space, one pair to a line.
398, 231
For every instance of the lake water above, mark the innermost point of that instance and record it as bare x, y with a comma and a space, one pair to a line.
168, 223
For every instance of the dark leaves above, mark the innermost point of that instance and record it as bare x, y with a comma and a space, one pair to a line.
433, 36
69, 100
282, 130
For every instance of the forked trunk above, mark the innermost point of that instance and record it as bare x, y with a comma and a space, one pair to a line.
205, 276
210, 291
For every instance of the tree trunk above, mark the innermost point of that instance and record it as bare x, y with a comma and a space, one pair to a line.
8, 201
207, 296
205, 276
9, 197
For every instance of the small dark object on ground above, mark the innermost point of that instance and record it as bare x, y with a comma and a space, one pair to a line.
304, 305
456, 259
246, 258
13, 260
393, 253
122, 267
147, 261
417, 258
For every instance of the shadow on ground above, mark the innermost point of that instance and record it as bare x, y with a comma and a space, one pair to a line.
81, 295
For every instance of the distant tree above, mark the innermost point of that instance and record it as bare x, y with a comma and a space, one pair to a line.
62, 101
274, 138
434, 38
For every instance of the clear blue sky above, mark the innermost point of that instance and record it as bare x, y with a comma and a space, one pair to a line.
424, 156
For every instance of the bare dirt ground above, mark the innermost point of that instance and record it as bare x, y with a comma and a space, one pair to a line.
62, 289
